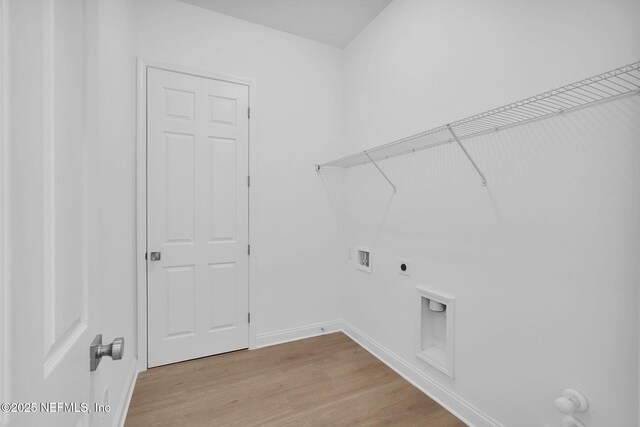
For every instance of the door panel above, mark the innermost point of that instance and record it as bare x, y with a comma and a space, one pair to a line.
65, 302
180, 190
66, 312
181, 297
197, 196
222, 191
223, 296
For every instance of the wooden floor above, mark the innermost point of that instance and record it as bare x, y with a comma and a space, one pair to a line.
323, 381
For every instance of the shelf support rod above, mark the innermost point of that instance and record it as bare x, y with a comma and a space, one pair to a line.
380, 170
466, 153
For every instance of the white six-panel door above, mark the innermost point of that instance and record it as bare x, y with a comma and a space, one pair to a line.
197, 216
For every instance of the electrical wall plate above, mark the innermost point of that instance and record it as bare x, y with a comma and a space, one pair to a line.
404, 267
363, 258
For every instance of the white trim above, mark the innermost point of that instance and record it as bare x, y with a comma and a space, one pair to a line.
141, 223
125, 399
299, 333
141, 194
449, 400
4, 230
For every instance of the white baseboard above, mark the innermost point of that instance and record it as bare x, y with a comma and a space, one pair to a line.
294, 334
446, 398
125, 400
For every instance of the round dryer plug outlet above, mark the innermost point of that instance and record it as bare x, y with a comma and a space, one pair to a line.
404, 267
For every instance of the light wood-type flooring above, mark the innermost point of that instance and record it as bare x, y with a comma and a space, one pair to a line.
323, 381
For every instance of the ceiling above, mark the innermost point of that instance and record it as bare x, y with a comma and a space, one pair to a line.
334, 22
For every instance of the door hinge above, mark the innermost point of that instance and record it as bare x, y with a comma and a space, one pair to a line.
145, 256
248, 181
248, 249
248, 112
248, 317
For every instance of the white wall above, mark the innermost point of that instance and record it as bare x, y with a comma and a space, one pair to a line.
542, 262
297, 115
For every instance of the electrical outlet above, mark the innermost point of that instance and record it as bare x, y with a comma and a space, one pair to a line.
404, 267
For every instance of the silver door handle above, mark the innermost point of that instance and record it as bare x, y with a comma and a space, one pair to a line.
155, 256
97, 351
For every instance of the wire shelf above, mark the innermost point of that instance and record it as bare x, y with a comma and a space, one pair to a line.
606, 86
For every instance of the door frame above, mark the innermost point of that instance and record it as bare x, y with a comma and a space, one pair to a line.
140, 293
4, 135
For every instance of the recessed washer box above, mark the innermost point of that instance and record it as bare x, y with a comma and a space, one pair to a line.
363, 258
437, 313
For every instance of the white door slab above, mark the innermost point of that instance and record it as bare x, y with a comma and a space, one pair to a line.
51, 302
197, 216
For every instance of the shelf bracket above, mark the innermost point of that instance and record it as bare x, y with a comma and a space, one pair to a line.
466, 153
380, 170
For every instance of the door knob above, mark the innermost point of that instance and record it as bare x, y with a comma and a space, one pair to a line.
155, 256
97, 351
113, 350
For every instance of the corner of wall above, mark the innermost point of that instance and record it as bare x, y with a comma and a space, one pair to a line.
449, 400
127, 392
